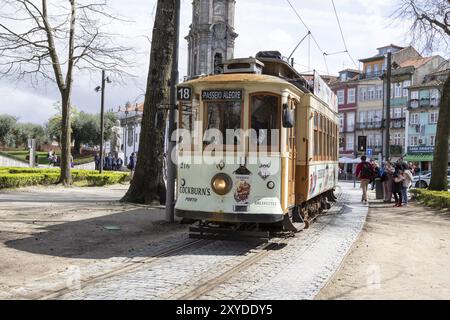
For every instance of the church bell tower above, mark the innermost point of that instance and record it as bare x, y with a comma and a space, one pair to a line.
211, 36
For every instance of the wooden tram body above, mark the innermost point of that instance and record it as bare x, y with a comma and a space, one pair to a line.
286, 186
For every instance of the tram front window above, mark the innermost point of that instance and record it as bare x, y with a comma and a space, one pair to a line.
264, 119
223, 115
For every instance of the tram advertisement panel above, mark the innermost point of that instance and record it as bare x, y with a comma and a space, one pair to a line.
256, 187
322, 177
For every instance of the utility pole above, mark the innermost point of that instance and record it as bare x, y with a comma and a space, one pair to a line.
170, 191
388, 106
102, 113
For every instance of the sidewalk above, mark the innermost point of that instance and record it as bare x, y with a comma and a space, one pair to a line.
402, 253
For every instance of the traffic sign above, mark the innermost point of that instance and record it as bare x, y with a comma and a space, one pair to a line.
369, 152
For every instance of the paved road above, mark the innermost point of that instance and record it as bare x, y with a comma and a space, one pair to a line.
296, 271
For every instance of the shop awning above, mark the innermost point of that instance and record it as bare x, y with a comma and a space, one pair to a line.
418, 157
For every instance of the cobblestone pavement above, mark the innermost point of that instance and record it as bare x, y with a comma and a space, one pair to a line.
296, 271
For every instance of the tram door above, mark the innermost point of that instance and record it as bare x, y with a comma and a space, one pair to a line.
291, 148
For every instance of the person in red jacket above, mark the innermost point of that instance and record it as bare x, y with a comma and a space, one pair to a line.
365, 172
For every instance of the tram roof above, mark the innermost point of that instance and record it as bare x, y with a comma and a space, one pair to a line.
238, 77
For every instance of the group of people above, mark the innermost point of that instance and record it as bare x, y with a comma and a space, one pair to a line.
396, 178
52, 158
110, 162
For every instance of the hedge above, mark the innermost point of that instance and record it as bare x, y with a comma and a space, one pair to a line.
21, 177
435, 199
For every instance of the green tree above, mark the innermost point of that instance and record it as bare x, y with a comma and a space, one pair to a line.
24, 131
86, 129
7, 123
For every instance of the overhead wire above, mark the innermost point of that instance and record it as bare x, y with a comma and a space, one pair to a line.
311, 34
342, 35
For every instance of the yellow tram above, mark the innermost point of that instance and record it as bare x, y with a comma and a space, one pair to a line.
257, 146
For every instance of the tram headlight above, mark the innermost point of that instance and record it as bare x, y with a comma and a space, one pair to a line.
221, 184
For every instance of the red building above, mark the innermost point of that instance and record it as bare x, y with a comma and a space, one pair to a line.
346, 89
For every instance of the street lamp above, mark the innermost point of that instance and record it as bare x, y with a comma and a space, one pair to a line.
102, 117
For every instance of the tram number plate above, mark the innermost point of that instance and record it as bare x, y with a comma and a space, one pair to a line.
184, 94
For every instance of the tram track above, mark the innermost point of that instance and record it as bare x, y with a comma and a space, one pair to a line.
210, 284
124, 268
199, 290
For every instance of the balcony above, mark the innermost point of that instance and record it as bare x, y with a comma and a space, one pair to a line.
398, 123
371, 75
369, 125
413, 104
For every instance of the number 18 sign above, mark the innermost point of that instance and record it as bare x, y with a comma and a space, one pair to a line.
184, 93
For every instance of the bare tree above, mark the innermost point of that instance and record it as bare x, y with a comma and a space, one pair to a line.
41, 41
430, 29
148, 184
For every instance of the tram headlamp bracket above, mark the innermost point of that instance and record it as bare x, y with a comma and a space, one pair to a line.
221, 183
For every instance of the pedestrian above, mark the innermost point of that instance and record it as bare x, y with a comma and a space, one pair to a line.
50, 158
388, 180
114, 163
407, 181
398, 184
108, 162
376, 171
119, 163
97, 161
132, 164
364, 171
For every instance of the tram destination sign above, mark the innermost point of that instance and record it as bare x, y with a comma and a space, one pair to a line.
226, 95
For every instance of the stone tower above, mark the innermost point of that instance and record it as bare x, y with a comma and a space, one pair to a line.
211, 36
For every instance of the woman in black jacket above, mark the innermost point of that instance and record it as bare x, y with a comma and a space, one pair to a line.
397, 185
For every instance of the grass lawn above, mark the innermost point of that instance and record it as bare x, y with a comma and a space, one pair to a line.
42, 156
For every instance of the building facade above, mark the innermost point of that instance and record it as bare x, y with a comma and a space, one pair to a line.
346, 90
211, 36
423, 109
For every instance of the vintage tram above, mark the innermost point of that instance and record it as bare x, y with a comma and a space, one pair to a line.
276, 164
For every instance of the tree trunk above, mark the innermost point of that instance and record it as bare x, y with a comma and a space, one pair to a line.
148, 185
65, 175
440, 158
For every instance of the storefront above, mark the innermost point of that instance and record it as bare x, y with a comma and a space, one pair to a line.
421, 156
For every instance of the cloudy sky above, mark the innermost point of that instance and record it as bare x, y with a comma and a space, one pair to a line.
261, 25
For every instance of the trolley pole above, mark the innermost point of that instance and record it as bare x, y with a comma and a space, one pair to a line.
388, 105
102, 117
170, 192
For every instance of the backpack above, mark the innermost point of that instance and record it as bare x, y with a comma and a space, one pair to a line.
367, 170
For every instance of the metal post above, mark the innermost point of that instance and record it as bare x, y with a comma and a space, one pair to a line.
388, 106
125, 143
170, 192
102, 108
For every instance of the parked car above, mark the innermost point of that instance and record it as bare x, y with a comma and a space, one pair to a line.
423, 181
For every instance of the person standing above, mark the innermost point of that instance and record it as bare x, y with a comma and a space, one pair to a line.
119, 163
407, 181
97, 161
397, 185
364, 171
388, 181
132, 164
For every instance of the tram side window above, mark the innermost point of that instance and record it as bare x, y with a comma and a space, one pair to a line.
316, 135
265, 117
223, 115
